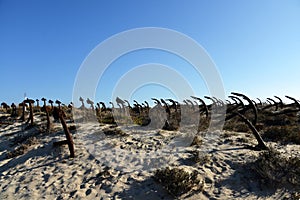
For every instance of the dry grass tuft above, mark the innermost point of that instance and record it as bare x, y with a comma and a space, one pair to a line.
197, 141
22, 137
108, 119
278, 169
114, 132
141, 120
22, 148
236, 126
200, 157
72, 128
283, 134
178, 181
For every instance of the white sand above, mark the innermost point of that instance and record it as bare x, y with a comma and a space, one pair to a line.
121, 167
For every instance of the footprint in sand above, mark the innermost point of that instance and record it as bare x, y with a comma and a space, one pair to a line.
88, 192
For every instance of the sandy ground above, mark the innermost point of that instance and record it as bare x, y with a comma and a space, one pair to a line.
112, 164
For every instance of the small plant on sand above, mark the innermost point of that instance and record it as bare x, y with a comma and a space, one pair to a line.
236, 126
295, 196
114, 132
72, 128
107, 120
278, 169
178, 181
279, 120
197, 141
284, 134
241, 127
23, 148
23, 137
228, 134
141, 120
200, 157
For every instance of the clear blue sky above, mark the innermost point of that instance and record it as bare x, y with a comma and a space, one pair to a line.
255, 44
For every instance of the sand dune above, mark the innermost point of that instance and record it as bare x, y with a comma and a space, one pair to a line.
120, 163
